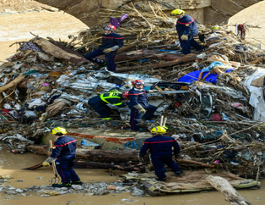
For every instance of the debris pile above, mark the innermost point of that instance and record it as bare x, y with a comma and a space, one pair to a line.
213, 101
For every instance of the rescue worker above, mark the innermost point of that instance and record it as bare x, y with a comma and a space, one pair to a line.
160, 147
63, 152
139, 105
111, 42
99, 103
187, 29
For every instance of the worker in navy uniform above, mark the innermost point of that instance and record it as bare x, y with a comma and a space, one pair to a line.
187, 29
63, 152
160, 147
139, 105
99, 103
111, 42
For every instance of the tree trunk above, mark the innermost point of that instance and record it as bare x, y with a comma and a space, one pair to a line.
230, 194
100, 165
108, 155
186, 58
162, 56
13, 83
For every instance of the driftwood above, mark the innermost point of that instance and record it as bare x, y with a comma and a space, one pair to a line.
108, 155
100, 165
230, 194
58, 52
146, 54
194, 162
186, 58
13, 83
96, 155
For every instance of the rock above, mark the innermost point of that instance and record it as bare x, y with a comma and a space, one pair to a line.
20, 180
19, 190
43, 187
44, 195
64, 188
137, 192
111, 187
77, 187
51, 193
11, 192
6, 176
40, 177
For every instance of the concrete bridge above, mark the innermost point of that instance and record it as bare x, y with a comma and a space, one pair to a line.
204, 11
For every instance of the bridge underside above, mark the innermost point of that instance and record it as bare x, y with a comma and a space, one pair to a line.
204, 11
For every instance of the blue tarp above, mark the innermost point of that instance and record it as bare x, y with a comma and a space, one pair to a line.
194, 76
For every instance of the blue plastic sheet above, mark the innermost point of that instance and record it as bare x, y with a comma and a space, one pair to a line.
194, 76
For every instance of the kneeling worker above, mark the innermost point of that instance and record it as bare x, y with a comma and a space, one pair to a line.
139, 104
160, 147
64, 153
99, 103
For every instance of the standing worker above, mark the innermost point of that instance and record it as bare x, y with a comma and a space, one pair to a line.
64, 153
187, 29
160, 147
99, 103
111, 42
139, 105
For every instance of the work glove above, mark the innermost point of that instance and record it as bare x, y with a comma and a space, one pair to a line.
113, 48
153, 91
50, 159
107, 50
184, 37
45, 164
140, 108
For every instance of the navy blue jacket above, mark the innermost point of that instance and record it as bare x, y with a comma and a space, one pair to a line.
111, 40
186, 26
160, 145
138, 97
64, 146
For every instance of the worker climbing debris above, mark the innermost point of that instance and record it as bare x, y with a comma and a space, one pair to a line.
187, 29
160, 147
111, 42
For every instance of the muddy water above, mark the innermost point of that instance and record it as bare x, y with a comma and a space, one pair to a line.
58, 25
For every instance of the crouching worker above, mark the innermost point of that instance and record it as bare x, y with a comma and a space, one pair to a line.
160, 147
63, 152
100, 103
111, 42
139, 105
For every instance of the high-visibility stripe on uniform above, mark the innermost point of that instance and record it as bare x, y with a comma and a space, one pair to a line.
65, 143
160, 142
112, 37
137, 93
111, 95
186, 23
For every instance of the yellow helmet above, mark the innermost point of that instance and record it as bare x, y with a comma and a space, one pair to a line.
216, 27
59, 131
159, 130
177, 12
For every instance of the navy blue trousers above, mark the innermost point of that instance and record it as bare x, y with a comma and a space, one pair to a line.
109, 57
159, 161
186, 45
99, 106
136, 116
65, 169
